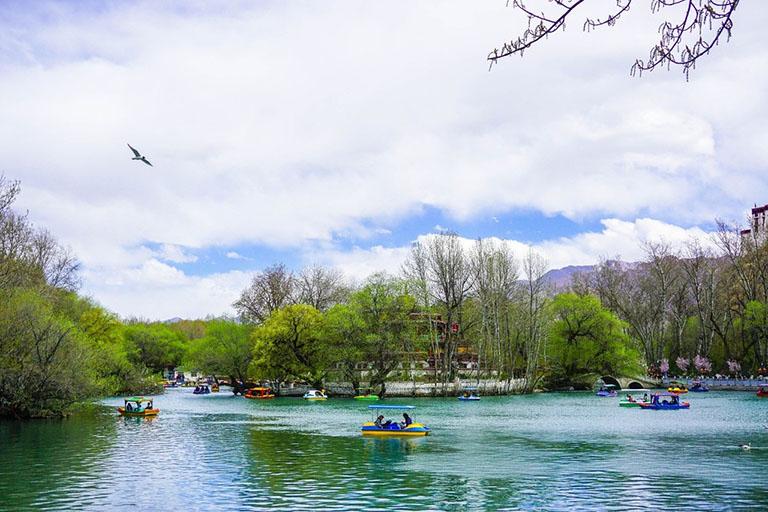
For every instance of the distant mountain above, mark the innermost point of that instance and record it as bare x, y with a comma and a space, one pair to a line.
561, 277
173, 320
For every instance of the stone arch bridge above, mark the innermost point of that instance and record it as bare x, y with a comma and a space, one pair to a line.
631, 382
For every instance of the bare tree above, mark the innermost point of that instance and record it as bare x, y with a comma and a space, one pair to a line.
58, 264
30, 256
269, 291
496, 275
448, 278
8, 192
695, 30
321, 287
535, 326
704, 273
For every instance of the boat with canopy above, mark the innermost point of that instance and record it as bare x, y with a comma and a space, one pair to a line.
665, 401
388, 428
469, 394
259, 393
606, 390
138, 406
366, 395
315, 395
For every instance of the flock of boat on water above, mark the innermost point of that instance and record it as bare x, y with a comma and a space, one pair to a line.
665, 400
139, 406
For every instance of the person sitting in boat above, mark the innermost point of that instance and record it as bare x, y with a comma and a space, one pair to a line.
406, 420
630, 399
128, 406
645, 397
378, 421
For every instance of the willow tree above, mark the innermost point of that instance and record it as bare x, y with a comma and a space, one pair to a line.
290, 344
689, 32
586, 340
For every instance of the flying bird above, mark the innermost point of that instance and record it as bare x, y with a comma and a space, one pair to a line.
139, 156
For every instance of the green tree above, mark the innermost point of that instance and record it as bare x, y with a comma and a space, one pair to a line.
44, 364
226, 349
586, 339
290, 345
344, 328
374, 328
155, 346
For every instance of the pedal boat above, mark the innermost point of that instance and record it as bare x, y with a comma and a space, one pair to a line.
763, 391
698, 387
665, 402
366, 395
469, 395
202, 389
259, 393
677, 387
132, 407
394, 429
631, 400
315, 395
606, 390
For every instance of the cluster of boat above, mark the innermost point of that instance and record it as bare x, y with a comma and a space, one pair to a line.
665, 400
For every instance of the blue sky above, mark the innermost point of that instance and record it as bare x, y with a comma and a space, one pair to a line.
339, 133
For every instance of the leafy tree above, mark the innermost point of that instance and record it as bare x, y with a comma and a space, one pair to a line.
696, 30
226, 349
192, 329
155, 346
44, 365
586, 339
373, 328
345, 329
290, 345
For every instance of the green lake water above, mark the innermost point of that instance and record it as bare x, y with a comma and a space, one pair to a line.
558, 451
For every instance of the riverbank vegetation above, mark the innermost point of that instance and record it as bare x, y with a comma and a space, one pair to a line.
458, 309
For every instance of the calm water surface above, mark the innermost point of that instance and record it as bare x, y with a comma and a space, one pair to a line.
559, 451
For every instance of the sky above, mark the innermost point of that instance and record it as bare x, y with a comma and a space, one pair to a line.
339, 133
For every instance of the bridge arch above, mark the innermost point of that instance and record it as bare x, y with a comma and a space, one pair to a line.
635, 385
607, 379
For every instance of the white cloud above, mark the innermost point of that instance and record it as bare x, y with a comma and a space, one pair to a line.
268, 129
234, 256
158, 291
175, 254
618, 239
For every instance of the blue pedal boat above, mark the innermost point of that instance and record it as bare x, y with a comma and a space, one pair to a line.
379, 427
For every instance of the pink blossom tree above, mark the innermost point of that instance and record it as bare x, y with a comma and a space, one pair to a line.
702, 364
682, 363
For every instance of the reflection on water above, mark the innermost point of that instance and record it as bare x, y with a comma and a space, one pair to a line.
539, 452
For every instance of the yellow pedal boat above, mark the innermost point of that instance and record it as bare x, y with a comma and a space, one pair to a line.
138, 407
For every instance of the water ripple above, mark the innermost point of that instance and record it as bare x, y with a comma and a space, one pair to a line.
542, 452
